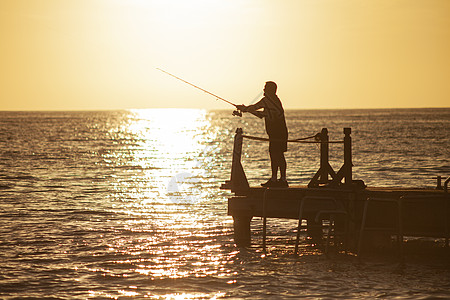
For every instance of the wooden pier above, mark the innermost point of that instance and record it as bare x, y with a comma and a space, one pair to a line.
356, 215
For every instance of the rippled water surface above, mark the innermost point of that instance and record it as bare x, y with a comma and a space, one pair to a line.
127, 204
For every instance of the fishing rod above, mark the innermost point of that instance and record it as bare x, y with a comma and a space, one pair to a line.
236, 112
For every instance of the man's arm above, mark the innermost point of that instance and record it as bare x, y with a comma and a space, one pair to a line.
257, 113
253, 109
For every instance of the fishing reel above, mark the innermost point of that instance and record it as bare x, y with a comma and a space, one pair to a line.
237, 113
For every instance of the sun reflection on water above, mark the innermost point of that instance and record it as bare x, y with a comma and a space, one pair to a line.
170, 142
161, 232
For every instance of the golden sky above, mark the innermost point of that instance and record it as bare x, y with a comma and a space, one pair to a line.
103, 54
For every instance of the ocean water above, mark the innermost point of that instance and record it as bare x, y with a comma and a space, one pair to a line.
127, 205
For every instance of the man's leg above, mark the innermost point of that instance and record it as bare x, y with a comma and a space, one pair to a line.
283, 166
274, 164
277, 160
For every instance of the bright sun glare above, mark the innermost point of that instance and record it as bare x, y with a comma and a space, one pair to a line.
172, 134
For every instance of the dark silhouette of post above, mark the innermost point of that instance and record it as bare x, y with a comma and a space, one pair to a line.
324, 155
241, 229
325, 169
238, 180
348, 165
346, 171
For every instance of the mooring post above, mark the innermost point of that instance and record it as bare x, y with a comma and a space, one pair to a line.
321, 176
324, 148
348, 173
439, 182
238, 178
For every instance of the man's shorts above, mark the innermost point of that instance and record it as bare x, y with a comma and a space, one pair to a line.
278, 146
278, 135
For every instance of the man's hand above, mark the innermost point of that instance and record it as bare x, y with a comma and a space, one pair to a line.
242, 107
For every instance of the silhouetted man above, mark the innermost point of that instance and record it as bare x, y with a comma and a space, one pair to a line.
276, 129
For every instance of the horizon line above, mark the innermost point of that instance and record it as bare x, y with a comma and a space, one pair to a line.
214, 109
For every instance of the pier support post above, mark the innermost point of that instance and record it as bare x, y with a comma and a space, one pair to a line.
242, 233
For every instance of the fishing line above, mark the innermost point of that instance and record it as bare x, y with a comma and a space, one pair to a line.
219, 98
236, 112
